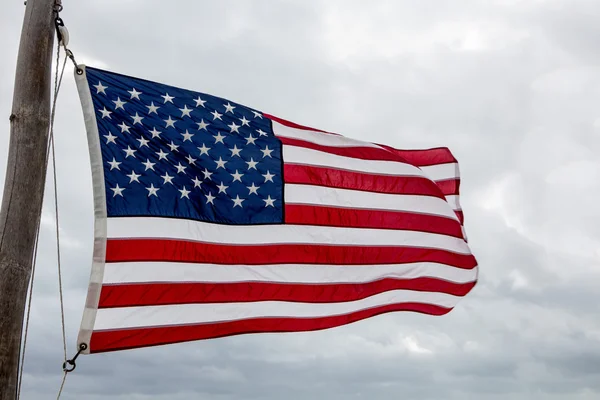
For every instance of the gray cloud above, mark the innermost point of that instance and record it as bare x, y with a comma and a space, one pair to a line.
511, 87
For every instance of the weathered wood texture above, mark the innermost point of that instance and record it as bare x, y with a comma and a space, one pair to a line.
24, 185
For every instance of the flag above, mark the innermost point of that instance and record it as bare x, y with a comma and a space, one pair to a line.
215, 219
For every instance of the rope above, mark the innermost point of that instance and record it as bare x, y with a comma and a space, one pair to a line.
50, 147
62, 385
60, 286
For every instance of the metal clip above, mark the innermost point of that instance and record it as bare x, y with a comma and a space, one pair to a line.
71, 362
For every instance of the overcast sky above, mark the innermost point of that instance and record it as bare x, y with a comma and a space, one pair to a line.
511, 87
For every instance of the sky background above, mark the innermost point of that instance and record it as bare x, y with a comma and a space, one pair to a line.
511, 87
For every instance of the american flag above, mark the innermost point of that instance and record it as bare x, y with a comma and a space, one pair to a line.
214, 219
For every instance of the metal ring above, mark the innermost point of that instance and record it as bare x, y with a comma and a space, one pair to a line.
72, 362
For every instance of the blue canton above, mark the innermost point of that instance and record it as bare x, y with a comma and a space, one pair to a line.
171, 152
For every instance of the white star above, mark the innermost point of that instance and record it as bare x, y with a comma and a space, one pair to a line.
202, 125
199, 102
169, 122
197, 182
143, 142
234, 127
261, 132
235, 151
117, 191
167, 178
114, 164
149, 165
161, 155
220, 163
251, 163
237, 201
269, 201
187, 136
137, 119
180, 168
257, 114
244, 121
152, 108
191, 160
152, 190
134, 94
207, 174
119, 103
155, 133
110, 138
253, 189
185, 112
124, 127
173, 146
266, 152
237, 176
184, 193
216, 115
105, 113
129, 152
168, 98
133, 177
219, 138
228, 108
210, 198
222, 188
268, 176
250, 139
204, 149
100, 88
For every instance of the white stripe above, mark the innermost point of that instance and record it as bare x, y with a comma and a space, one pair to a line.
321, 195
441, 172
321, 138
135, 317
149, 227
140, 272
305, 156
454, 201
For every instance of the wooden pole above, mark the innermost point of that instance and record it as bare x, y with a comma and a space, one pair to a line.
24, 184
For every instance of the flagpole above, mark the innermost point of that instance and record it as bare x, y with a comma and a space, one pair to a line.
24, 183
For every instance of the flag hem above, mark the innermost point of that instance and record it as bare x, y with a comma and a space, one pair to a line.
100, 214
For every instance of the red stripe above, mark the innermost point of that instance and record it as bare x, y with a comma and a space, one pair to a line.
102, 341
123, 250
424, 157
460, 215
293, 124
157, 294
355, 218
418, 158
337, 178
449, 186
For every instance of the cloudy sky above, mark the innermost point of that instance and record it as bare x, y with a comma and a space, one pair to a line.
511, 86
